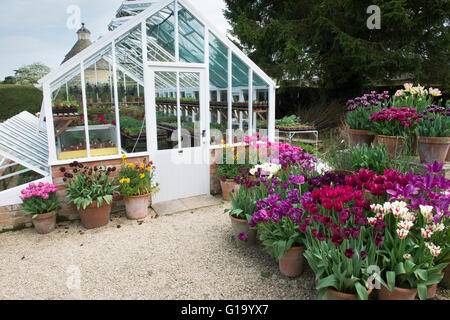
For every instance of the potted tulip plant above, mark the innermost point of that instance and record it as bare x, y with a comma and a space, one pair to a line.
243, 204
137, 187
91, 190
392, 126
358, 114
433, 134
407, 255
278, 218
231, 166
40, 201
341, 245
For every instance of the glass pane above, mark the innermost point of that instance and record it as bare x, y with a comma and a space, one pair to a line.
190, 109
68, 116
166, 110
218, 87
130, 82
260, 106
161, 35
101, 115
240, 73
191, 37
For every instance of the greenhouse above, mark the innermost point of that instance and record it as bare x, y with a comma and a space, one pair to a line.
162, 83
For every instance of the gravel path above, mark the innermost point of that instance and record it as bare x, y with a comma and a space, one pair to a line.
189, 255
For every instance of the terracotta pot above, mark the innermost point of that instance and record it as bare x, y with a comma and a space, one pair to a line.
44, 223
359, 137
136, 207
445, 282
291, 265
433, 149
397, 294
93, 217
332, 294
394, 145
228, 186
241, 225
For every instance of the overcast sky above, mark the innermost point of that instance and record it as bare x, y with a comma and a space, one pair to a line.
37, 31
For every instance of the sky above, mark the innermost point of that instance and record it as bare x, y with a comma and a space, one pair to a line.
38, 30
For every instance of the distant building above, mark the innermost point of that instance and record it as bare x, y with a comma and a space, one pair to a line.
102, 66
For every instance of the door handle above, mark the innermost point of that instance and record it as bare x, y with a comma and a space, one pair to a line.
204, 133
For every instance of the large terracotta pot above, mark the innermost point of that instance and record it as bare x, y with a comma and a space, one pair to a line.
291, 265
241, 225
45, 223
228, 186
433, 149
93, 217
359, 137
136, 207
394, 145
397, 294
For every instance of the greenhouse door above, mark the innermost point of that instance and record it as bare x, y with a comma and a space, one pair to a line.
178, 141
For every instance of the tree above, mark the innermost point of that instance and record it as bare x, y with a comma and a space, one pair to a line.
329, 39
10, 80
30, 74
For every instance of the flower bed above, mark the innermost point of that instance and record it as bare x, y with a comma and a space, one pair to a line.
350, 223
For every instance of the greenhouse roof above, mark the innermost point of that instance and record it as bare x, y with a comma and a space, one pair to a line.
22, 141
160, 42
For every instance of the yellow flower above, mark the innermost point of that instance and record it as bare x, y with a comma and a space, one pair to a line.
121, 181
131, 165
127, 180
142, 165
148, 169
142, 176
124, 157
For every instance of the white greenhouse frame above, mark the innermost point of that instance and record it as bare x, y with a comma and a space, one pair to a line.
77, 64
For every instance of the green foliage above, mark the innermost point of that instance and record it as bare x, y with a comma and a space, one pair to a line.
10, 80
358, 119
437, 125
86, 185
17, 98
368, 157
243, 203
30, 74
288, 121
279, 237
137, 179
300, 39
38, 205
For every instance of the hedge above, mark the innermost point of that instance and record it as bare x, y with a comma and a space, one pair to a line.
17, 98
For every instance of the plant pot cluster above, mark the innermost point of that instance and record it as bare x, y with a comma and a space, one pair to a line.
410, 115
61, 110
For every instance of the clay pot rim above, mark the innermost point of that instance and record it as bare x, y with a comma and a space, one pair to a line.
343, 294
297, 248
434, 140
369, 291
361, 131
238, 220
400, 289
137, 197
94, 205
390, 137
43, 216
